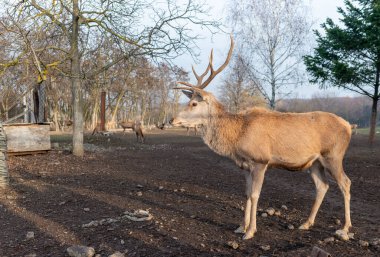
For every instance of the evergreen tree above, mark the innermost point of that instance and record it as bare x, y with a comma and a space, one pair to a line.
348, 54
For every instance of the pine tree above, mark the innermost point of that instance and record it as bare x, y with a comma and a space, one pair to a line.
348, 54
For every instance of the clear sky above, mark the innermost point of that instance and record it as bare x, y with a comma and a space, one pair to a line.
320, 10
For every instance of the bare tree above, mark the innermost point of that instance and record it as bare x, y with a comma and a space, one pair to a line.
239, 91
138, 27
272, 34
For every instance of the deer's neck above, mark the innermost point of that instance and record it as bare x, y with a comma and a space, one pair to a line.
222, 130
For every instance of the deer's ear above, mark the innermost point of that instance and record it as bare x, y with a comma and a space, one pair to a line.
189, 94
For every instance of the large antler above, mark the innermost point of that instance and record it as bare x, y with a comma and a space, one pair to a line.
210, 67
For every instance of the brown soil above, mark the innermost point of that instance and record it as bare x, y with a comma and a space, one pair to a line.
195, 196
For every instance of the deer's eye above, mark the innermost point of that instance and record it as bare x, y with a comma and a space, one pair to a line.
194, 104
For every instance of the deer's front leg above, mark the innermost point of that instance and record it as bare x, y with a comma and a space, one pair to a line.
247, 211
257, 174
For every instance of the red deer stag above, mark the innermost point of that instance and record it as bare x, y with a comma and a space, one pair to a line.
261, 139
136, 126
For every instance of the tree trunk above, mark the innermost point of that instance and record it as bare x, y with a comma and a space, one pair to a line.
55, 117
95, 112
375, 100
76, 85
41, 102
372, 131
112, 122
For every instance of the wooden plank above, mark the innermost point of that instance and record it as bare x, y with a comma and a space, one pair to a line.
27, 153
27, 137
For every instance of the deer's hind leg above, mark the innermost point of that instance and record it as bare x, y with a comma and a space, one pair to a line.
318, 175
335, 167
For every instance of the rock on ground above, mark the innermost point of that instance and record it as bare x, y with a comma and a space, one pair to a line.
117, 254
80, 251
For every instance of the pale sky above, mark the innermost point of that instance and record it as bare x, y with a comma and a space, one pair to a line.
320, 10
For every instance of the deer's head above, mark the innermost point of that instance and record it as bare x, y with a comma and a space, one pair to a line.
197, 110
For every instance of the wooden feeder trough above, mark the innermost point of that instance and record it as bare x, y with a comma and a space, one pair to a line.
26, 138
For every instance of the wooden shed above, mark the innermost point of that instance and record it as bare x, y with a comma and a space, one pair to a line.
26, 138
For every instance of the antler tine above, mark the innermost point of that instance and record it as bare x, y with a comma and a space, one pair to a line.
187, 88
186, 84
200, 78
195, 73
213, 72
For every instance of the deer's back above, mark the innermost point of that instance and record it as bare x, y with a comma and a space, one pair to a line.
293, 139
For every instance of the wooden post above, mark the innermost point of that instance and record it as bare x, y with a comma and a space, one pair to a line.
103, 111
4, 180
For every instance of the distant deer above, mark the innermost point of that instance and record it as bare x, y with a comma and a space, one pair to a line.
195, 129
354, 128
261, 139
160, 126
136, 126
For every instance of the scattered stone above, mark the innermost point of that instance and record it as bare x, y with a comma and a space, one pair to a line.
338, 222
138, 215
203, 245
351, 235
265, 247
29, 235
233, 244
375, 241
80, 251
329, 239
139, 193
182, 190
363, 243
320, 242
175, 238
117, 254
277, 213
264, 214
140, 186
86, 209
290, 226
61, 203
284, 207
342, 234
93, 223
318, 252
270, 211
122, 241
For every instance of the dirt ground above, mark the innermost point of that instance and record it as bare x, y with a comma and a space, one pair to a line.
194, 195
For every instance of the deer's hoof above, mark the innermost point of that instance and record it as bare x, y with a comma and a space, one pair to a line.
248, 236
305, 226
240, 230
